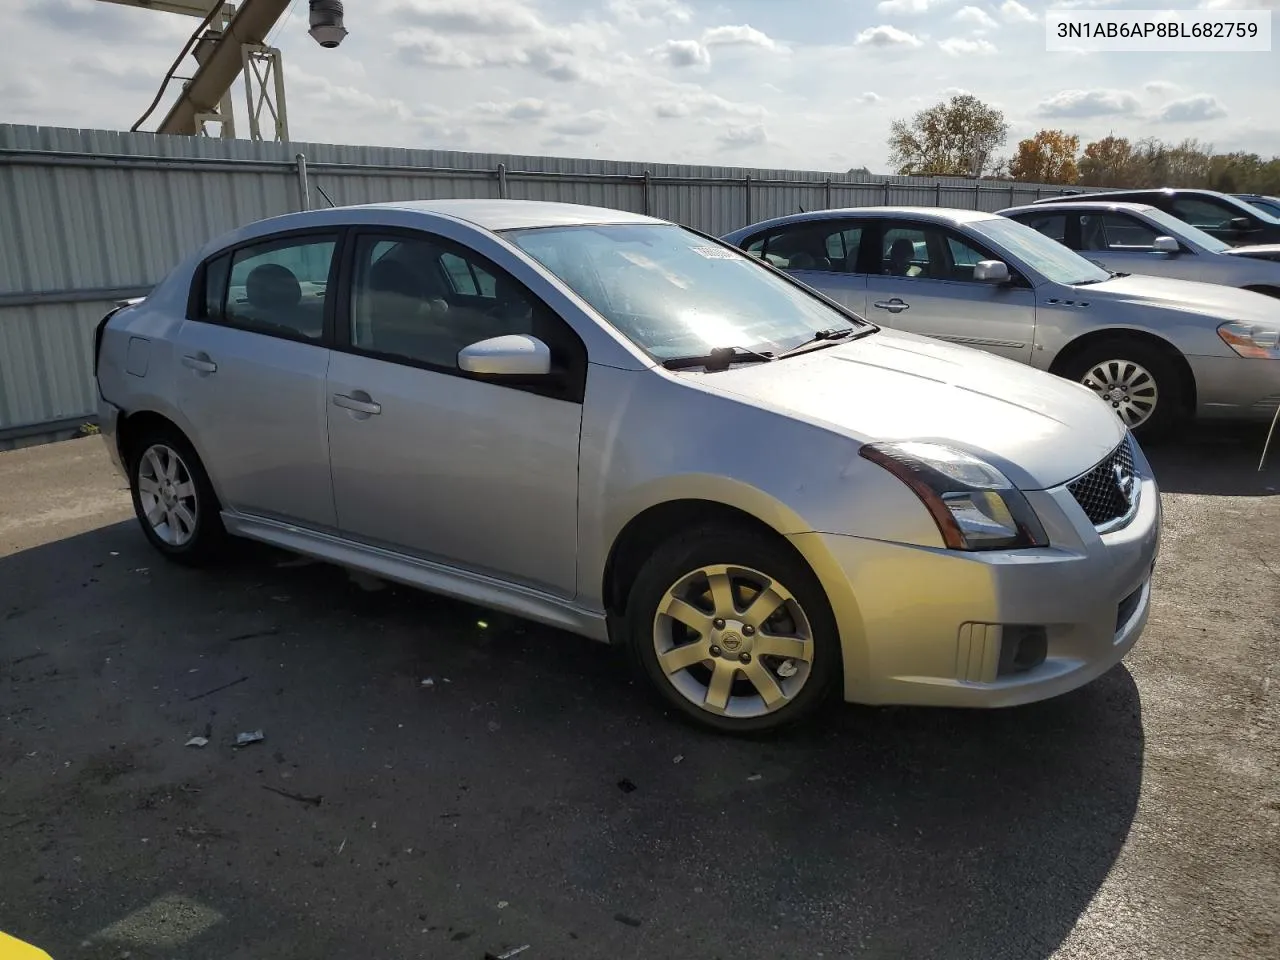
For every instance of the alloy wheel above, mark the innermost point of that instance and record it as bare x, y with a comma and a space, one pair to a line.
167, 493
733, 641
1127, 386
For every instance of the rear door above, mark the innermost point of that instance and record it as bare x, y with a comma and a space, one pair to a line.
251, 377
925, 285
821, 254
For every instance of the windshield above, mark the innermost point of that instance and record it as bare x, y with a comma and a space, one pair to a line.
1180, 228
1047, 257
675, 294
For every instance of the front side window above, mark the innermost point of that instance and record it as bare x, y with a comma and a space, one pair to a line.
422, 301
1117, 232
1053, 226
276, 287
674, 293
928, 252
1205, 214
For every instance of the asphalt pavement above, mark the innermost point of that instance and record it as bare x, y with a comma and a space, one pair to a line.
435, 780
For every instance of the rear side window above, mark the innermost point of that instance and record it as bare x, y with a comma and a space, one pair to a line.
276, 287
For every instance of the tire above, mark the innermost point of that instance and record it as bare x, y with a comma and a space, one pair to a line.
805, 626
188, 524
1126, 360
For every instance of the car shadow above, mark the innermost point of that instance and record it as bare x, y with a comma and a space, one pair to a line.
1218, 459
532, 767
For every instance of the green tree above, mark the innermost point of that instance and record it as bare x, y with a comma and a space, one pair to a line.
955, 138
1048, 157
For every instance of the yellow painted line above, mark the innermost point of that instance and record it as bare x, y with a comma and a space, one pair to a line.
14, 949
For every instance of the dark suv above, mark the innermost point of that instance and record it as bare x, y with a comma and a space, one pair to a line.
1229, 219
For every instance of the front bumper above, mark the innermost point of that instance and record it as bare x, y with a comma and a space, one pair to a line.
1236, 388
934, 627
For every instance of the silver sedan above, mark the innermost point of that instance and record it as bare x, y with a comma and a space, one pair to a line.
611, 424
1138, 238
1159, 351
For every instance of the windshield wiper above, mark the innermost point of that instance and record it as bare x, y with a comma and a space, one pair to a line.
822, 338
721, 358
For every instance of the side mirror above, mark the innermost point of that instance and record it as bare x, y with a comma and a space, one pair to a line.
1241, 224
991, 271
1166, 245
513, 355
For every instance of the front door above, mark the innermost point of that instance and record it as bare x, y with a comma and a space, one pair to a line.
1122, 243
251, 370
926, 286
476, 473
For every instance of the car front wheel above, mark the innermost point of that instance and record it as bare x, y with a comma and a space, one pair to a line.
733, 630
173, 499
1140, 383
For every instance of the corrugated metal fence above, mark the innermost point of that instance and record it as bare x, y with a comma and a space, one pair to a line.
87, 217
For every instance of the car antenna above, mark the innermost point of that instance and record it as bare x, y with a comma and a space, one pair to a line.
325, 195
802, 208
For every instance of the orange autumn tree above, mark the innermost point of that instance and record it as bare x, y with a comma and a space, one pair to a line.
1048, 157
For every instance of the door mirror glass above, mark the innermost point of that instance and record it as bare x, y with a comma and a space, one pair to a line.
991, 271
1166, 245
513, 355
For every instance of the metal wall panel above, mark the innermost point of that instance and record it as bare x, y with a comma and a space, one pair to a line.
87, 216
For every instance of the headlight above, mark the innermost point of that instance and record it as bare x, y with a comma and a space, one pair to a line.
973, 503
1251, 339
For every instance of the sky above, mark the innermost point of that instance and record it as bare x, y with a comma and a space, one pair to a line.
802, 84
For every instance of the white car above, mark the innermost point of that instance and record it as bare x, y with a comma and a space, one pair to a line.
1138, 238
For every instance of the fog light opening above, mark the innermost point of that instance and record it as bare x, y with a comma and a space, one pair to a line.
1022, 648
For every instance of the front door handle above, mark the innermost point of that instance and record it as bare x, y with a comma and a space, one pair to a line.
893, 306
201, 364
359, 405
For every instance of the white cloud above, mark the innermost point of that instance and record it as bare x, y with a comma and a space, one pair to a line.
753, 135
527, 108
960, 47
907, 6
1014, 12
975, 17
492, 17
649, 13
886, 36
740, 35
684, 53
1201, 107
869, 97
698, 102
1089, 103
1160, 88
593, 121
1241, 5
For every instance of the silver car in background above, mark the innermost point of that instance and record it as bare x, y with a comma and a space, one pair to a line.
617, 426
1138, 238
1157, 350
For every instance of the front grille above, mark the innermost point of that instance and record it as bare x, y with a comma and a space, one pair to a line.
1099, 491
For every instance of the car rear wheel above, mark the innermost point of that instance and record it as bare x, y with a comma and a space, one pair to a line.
733, 630
1140, 382
173, 499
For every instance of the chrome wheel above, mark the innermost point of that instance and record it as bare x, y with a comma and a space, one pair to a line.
167, 494
1127, 386
733, 641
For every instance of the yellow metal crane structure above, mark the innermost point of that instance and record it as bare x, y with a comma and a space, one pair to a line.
232, 40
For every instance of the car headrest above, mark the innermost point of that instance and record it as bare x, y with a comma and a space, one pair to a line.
272, 286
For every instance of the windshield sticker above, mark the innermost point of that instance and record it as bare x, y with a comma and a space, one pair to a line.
715, 253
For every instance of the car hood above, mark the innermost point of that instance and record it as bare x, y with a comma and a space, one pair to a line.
1256, 251
1213, 299
1039, 429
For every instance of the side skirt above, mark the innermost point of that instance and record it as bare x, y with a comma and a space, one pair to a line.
448, 581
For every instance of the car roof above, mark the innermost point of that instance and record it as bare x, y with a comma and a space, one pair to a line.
1077, 204
1131, 192
947, 215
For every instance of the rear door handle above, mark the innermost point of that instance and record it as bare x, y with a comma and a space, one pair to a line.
893, 306
200, 364
356, 404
